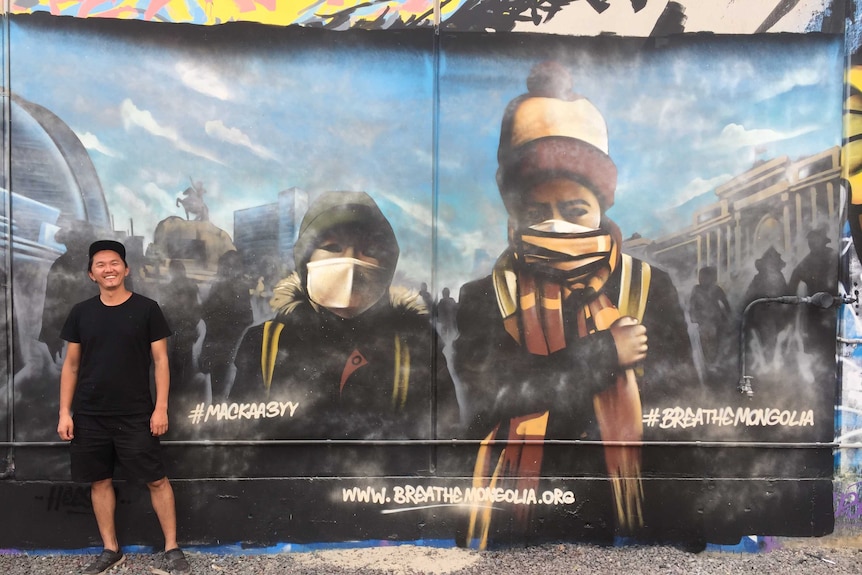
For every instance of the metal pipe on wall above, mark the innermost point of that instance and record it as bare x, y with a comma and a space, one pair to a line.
820, 299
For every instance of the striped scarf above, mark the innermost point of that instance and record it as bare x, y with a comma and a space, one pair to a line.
531, 282
551, 267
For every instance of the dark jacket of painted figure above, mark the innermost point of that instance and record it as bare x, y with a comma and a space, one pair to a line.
512, 394
366, 377
356, 355
501, 379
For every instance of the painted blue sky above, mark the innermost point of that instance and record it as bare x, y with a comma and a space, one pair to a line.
252, 116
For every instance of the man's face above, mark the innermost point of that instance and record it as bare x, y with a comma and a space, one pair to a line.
560, 199
109, 270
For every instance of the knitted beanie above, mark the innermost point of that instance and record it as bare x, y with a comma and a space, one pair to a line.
550, 133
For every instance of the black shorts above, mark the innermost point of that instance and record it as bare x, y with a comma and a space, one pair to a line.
101, 443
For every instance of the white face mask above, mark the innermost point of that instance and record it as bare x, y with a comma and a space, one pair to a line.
345, 286
561, 227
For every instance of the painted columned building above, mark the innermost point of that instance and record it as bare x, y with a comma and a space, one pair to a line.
775, 203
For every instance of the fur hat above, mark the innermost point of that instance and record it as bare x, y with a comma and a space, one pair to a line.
551, 132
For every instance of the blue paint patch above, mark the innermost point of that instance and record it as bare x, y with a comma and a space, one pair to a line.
748, 544
243, 549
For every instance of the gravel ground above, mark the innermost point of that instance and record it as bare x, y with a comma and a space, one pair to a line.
809, 557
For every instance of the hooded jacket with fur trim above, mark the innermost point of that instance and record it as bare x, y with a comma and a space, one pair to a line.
370, 377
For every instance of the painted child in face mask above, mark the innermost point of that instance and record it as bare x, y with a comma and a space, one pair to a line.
553, 344
351, 351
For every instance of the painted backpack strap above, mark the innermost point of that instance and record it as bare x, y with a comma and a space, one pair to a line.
269, 351
401, 379
634, 291
634, 287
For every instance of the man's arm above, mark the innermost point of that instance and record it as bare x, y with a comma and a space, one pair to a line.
68, 383
159, 419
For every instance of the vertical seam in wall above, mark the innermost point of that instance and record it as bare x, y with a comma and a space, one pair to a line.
7, 184
435, 147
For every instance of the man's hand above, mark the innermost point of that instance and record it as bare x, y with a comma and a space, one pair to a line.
630, 338
159, 422
65, 428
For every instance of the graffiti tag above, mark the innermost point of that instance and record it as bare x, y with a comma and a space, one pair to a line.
72, 499
201, 413
848, 504
678, 417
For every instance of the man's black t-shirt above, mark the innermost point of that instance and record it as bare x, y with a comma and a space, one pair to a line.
114, 374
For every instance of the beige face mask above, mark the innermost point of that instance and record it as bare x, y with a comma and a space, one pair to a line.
345, 286
561, 227
564, 252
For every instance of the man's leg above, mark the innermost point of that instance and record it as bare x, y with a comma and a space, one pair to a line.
140, 454
104, 504
162, 496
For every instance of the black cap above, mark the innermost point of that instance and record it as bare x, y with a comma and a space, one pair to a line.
111, 245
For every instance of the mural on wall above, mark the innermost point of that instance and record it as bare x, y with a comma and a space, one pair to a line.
716, 201
569, 17
539, 246
553, 343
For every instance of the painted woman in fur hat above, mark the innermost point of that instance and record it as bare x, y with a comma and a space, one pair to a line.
553, 344
354, 352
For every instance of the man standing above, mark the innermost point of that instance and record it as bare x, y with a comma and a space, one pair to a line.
111, 339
